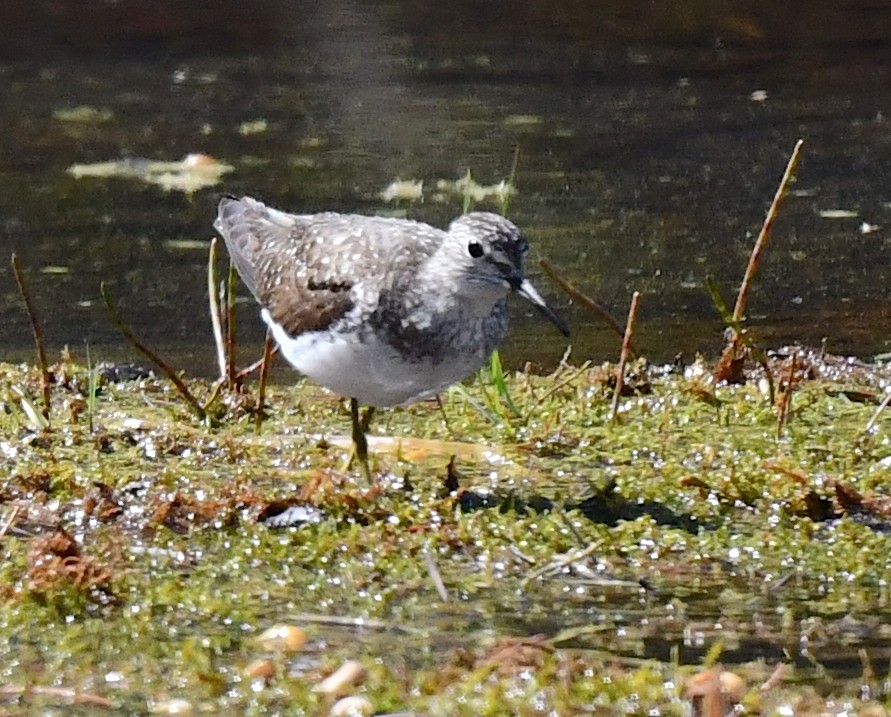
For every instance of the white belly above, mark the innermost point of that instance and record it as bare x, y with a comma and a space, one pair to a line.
371, 371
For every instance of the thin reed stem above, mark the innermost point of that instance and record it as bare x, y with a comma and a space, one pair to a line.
755, 259
181, 387
265, 365
626, 353
214, 302
581, 299
38, 334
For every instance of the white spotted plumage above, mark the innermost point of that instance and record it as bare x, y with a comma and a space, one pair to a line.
386, 311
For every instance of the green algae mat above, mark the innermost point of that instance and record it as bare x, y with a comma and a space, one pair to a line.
706, 549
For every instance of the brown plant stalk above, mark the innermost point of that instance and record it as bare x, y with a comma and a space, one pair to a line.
38, 334
181, 387
265, 365
626, 353
764, 235
580, 298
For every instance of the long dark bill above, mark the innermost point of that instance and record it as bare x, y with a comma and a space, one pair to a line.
528, 292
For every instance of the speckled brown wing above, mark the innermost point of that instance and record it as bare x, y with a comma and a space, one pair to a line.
309, 271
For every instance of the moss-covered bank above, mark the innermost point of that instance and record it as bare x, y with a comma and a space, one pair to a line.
543, 560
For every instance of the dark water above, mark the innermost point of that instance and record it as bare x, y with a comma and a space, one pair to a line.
651, 140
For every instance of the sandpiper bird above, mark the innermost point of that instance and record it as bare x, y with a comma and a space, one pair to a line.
383, 311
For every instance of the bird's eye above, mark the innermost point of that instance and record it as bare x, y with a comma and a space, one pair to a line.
475, 249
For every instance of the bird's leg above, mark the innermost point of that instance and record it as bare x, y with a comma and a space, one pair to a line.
366, 419
360, 441
445, 418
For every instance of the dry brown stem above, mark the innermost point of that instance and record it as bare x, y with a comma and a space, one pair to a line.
181, 387
581, 299
626, 352
38, 334
764, 235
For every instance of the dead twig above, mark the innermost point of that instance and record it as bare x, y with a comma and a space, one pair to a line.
730, 366
258, 364
436, 577
10, 521
581, 299
878, 412
554, 388
626, 352
776, 677
191, 401
763, 236
266, 363
784, 399
68, 694
38, 334
562, 561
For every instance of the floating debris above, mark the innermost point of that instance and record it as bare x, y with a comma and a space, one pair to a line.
35, 419
523, 120
758, 96
259, 126
193, 172
342, 681
291, 516
282, 638
410, 190
467, 187
84, 114
175, 706
715, 692
260, 670
837, 214
187, 244
354, 706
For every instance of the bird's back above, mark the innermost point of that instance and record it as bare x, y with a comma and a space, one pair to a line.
309, 270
